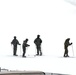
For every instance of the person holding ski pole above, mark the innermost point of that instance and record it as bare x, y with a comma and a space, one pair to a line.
38, 42
66, 44
24, 45
15, 42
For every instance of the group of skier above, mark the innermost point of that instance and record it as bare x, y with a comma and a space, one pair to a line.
37, 42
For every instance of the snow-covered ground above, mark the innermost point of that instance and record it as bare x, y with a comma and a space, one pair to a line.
47, 64
54, 20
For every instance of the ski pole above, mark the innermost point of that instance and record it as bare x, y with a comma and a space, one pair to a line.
12, 48
72, 50
20, 49
35, 50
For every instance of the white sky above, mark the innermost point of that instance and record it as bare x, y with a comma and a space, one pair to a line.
54, 20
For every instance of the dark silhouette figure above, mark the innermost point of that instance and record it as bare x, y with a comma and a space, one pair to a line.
24, 45
38, 42
15, 42
66, 44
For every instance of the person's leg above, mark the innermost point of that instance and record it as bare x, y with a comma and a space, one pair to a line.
64, 54
67, 53
40, 50
14, 50
37, 50
23, 52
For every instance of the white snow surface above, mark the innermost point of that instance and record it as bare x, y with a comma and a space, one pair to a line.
54, 20
45, 63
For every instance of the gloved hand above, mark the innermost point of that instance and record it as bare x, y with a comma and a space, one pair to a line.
71, 43
19, 44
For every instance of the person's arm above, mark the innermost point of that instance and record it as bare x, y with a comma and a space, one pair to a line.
18, 42
41, 41
27, 45
35, 41
70, 43
12, 42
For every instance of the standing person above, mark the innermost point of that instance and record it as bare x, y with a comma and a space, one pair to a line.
24, 45
66, 44
15, 42
38, 42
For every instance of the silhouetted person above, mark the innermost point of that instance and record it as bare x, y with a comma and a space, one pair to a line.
24, 45
38, 42
15, 42
66, 44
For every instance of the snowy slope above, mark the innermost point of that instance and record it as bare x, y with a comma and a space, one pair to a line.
48, 64
54, 20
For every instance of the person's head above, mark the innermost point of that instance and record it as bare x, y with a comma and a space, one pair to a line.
14, 37
38, 36
68, 39
26, 40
